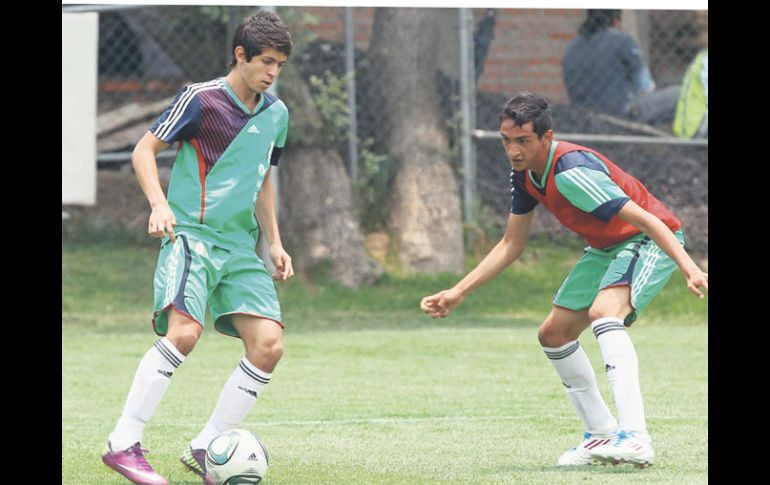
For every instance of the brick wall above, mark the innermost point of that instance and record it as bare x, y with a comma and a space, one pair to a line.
527, 50
331, 24
525, 54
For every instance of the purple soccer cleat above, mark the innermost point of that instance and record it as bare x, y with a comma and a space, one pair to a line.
132, 464
195, 461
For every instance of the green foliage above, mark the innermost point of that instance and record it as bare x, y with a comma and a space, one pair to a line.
331, 99
374, 168
372, 186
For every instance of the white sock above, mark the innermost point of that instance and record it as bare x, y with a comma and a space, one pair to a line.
575, 371
151, 380
235, 401
622, 368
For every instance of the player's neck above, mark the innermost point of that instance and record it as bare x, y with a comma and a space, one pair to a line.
246, 95
539, 164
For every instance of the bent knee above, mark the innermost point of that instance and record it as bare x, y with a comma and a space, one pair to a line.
551, 336
184, 341
275, 351
269, 350
184, 333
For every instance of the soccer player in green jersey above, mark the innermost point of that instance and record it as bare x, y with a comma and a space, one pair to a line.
634, 245
230, 131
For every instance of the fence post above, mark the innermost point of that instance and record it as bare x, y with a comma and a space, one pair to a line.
468, 109
350, 73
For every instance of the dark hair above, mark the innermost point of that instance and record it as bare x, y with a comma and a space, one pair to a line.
261, 31
526, 107
597, 20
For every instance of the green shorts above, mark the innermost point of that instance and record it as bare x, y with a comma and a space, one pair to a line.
194, 272
637, 262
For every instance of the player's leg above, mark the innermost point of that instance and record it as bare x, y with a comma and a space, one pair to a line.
151, 380
262, 340
559, 337
636, 275
622, 366
244, 305
179, 307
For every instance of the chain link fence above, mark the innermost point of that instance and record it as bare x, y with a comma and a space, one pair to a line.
147, 53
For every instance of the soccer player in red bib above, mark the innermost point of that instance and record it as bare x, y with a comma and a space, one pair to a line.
634, 245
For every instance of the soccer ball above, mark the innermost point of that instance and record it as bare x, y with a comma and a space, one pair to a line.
236, 457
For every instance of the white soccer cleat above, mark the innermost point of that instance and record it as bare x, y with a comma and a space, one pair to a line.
581, 454
627, 447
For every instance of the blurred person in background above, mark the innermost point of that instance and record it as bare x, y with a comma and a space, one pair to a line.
692, 110
604, 70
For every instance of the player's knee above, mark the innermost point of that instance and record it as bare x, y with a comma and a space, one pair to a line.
267, 350
184, 337
274, 350
185, 342
550, 336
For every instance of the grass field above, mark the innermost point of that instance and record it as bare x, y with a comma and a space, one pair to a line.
370, 391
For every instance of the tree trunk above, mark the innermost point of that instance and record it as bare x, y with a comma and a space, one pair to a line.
424, 215
318, 215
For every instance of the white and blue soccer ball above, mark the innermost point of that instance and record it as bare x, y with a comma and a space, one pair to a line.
236, 457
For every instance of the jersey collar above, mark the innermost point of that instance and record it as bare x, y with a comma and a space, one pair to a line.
238, 101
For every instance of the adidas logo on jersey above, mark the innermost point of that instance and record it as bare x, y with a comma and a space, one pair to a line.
253, 129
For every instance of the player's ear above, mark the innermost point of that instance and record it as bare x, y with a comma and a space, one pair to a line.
548, 136
240, 53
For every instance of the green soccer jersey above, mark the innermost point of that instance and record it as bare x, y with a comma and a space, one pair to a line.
224, 154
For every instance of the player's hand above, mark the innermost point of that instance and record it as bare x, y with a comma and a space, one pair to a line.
697, 280
440, 304
282, 262
162, 220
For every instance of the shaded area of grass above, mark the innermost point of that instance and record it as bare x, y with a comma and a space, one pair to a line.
116, 279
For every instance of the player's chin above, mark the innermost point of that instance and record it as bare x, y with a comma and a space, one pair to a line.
261, 87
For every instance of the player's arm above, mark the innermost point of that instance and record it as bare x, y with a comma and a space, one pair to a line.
143, 159
268, 224
665, 239
505, 252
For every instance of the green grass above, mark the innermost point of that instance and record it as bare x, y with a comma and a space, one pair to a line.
118, 279
370, 391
